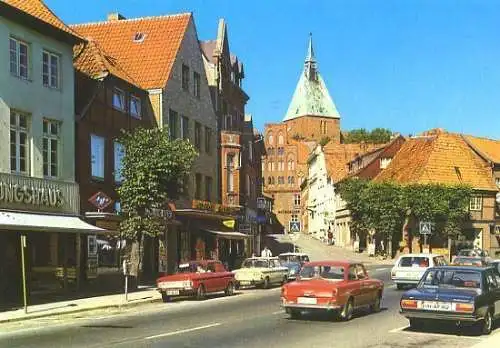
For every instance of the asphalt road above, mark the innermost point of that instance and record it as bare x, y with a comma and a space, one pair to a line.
250, 319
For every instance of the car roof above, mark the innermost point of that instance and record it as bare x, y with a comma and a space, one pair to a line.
461, 268
343, 263
290, 254
419, 255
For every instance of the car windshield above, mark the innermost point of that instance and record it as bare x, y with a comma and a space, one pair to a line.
289, 258
468, 261
188, 268
325, 272
460, 279
414, 261
255, 263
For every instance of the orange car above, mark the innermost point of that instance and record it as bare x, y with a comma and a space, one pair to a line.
337, 286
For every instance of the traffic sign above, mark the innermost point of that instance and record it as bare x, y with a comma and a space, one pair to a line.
425, 227
294, 226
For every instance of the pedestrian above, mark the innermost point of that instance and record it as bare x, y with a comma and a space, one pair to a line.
266, 252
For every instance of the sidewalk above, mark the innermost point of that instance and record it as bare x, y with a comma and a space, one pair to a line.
140, 296
491, 341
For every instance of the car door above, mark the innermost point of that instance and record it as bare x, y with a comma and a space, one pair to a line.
494, 291
368, 286
276, 271
355, 287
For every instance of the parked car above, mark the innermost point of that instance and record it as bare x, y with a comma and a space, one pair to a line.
409, 268
464, 295
332, 286
469, 261
477, 253
261, 271
197, 278
293, 261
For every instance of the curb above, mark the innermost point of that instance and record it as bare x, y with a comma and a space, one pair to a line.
80, 310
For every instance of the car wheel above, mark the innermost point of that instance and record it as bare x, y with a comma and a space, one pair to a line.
375, 307
165, 298
347, 311
200, 292
416, 324
266, 283
295, 314
229, 289
487, 323
400, 286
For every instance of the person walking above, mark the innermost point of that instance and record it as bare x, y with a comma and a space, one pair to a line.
266, 252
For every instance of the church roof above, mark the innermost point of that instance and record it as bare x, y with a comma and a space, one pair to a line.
311, 97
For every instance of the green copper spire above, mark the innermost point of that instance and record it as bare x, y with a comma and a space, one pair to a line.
311, 97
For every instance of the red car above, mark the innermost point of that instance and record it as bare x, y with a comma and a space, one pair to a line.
196, 278
337, 286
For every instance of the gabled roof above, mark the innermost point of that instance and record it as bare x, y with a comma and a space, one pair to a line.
208, 48
311, 97
438, 157
38, 10
145, 47
337, 157
487, 148
94, 62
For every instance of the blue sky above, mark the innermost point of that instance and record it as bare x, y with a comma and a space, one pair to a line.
406, 65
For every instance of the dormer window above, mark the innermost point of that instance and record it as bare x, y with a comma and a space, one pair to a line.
384, 162
139, 37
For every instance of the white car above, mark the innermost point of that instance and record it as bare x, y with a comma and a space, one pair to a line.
409, 268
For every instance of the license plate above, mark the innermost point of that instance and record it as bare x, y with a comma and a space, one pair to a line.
245, 283
172, 292
408, 275
307, 300
435, 306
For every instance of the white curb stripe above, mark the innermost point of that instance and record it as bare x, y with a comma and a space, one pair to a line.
178, 332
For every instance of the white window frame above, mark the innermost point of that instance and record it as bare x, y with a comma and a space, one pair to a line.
121, 97
97, 156
384, 162
476, 203
53, 73
47, 153
18, 130
16, 66
296, 199
118, 154
135, 106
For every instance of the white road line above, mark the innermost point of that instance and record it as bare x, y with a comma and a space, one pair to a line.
278, 312
382, 269
425, 333
178, 332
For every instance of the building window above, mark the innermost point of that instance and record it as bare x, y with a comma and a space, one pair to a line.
497, 182
118, 99
291, 180
476, 203
269, 180
118, 207
250, 150
172, 124
185, 77
248, 184
295, 218
135, 106
19, 143
208, 188
184, 127
50, 69
291, 164
197, 84
281, 165
97, 156
197, 191
270, 139
197, 135
281, 180
229, 172
273, 180
208, 140
50, 149
296, 199
384, 162
119, 152
280, 139
281, 151
19, 58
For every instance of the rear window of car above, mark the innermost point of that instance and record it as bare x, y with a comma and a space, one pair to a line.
468, 261
451, 279
326, 272
414, 261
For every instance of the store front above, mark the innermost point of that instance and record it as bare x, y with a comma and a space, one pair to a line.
59, 246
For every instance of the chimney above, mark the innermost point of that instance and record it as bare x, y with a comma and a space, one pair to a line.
115, 16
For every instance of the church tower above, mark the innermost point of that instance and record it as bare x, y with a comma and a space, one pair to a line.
312, 114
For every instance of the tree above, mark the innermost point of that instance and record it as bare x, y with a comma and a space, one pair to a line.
380, 135
376, 136
151, 168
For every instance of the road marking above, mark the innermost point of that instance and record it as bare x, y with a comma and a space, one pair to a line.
178, 332
382, 269
278, 312
425, 333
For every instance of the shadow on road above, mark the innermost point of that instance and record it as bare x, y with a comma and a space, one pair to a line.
332, 316
449, 329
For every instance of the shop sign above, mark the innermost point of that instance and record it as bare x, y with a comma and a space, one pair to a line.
214, 207
32, 195
100, 200
92, 256
289, 211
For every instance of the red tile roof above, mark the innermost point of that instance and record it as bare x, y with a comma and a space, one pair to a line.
438, 157
149, 61
91, 60
38, 9
337, 157
488, 148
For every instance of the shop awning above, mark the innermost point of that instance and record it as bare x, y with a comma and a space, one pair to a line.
46, 223
229, 235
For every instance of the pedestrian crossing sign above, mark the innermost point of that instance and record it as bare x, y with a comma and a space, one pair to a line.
425, 227
294, 227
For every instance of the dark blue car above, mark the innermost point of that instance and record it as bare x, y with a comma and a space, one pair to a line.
464, 295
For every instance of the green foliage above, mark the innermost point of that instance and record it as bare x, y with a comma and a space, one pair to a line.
324, 141
376, 136
383, 206
151, 168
